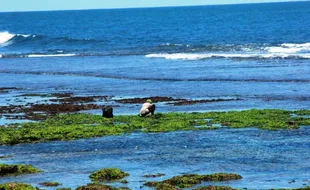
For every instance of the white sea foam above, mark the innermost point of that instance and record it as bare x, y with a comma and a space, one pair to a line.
189, 56
290, 48
51, 55
5, 37
25, 35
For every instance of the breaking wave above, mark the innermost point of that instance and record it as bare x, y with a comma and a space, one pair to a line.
5, 37
188, 56
32, 46
282, 51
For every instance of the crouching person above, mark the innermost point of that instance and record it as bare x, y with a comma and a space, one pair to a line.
147, 107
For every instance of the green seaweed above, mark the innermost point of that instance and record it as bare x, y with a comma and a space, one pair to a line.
50, 184
190, 180
6, 169
124, 181
97, 186
16, 186
76, 126
214, 188
165, 186
153, 175
108, 174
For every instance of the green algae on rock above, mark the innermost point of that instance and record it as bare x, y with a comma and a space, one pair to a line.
97, 186
6, 169
214, 188
190, 180
153, 175
77, 126
165, 186
16, 186
108, 174
124, 181
50, 184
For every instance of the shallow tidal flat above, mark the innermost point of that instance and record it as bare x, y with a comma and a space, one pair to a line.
268, 148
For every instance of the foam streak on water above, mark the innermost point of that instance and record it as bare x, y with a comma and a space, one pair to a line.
196, 56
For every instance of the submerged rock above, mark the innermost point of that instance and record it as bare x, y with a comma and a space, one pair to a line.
50, 184
214, 188
153, 175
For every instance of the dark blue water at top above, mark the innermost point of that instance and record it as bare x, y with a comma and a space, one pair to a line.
258, 28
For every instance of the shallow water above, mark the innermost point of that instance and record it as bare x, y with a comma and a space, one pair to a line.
258, 53
265, 159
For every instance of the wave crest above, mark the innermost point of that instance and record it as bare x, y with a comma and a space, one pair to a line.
189, 56
290, 48
5, 37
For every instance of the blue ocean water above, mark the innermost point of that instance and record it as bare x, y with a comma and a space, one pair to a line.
275, 30
258, 53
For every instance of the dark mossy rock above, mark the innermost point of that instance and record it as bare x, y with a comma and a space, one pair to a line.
6, 169
152, 183
16, 186
124, 181
64, 188
190, 180
108, 174
304, 188
214, 188
165, 186
107, 112
184, 181
97, 186
221, 177
153, 175
50, 184
5, 156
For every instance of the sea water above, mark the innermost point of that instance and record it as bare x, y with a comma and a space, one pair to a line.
258, 53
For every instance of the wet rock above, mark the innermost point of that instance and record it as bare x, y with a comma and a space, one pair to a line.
50, 184
173, 101
16, 186
107, 112
154, 99
108, 174
214, 188
124, 181
190, 180
5, 156
191, 102
6, 169
153, 175
80, 99
8, 89
42, 111
97, 186
58, 95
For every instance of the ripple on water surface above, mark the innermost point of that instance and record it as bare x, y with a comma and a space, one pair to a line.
266, 159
